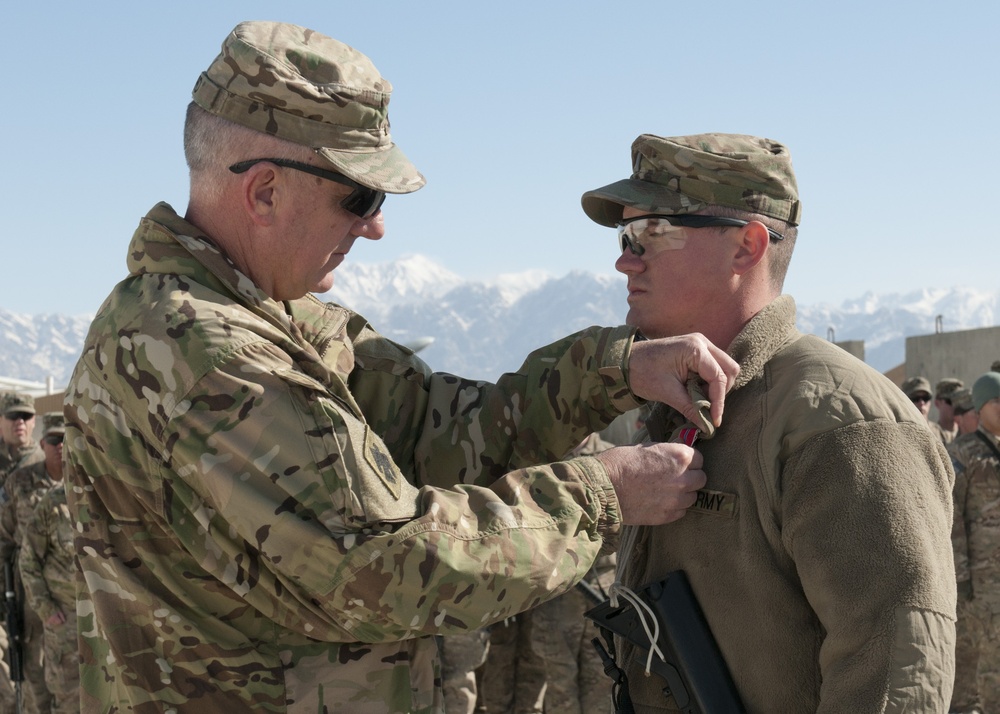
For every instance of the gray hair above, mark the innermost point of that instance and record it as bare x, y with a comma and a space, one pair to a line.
212, 144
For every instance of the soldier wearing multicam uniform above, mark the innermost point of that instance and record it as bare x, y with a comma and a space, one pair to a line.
976, 537
965, 698
48, 571
944, 390
17, 450
276, 507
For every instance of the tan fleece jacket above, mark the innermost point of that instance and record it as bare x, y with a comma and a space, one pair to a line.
820, 547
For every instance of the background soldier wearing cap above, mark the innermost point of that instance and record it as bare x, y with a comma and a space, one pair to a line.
24, 488
277, 508
965, 697
918, 391
943, 392
976, 539
48, 571
17, 449
819, 549
965, 414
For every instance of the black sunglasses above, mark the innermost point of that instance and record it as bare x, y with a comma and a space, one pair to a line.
630, 238
53, 440
916, 398
363, 201
23, 416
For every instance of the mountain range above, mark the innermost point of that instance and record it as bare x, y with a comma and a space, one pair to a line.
480, 329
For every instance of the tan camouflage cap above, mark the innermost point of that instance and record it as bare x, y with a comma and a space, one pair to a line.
53, 423
14, 403
685, 174
310, 89
961, 400
916, 384
946, 387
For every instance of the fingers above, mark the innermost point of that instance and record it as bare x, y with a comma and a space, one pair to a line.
719, 373
658, 370
655, 483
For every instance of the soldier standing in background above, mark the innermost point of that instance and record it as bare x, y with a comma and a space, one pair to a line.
918, 391
17, 449
461, 658
965, 698
48, 572
24, 488
976, 539
943, 392
966, 416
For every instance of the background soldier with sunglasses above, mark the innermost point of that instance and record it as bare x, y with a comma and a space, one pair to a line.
277, 508
24, 488
944, 391
819, 548
18, 449
48, 570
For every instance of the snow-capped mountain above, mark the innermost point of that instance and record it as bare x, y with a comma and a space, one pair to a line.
482, 329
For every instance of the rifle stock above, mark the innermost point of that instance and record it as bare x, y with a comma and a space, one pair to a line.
695, 673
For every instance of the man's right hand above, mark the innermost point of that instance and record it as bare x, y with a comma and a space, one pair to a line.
655, 482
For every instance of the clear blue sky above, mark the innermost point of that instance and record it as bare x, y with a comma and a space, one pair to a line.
512, 110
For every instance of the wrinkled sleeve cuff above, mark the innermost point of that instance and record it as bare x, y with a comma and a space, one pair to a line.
609, 516
614, 370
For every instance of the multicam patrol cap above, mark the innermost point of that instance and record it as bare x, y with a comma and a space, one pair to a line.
53, 423
14, 403
685, 174
946, 387
915, 385
299, 85
961, 401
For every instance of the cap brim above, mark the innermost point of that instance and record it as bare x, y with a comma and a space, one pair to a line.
604, 205
386, 169
20, 410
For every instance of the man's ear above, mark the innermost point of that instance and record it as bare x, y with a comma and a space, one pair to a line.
752, 247
257, 193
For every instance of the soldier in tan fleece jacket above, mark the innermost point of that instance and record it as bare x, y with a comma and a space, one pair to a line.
819, 548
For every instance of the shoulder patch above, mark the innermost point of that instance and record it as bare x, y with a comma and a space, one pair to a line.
382, 464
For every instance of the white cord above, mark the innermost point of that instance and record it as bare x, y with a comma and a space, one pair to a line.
644, 611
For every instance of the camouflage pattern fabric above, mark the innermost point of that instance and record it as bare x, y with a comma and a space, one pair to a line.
543, 659
965, 696
686, 174
24, 489
561, 636
253, 485
305, 87
12, 459
48, 570
461, 656
514, 678
976, 538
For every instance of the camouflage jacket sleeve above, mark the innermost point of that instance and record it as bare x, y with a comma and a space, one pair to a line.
446, 430
959, 531
8, 521
31, 561
266, 475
